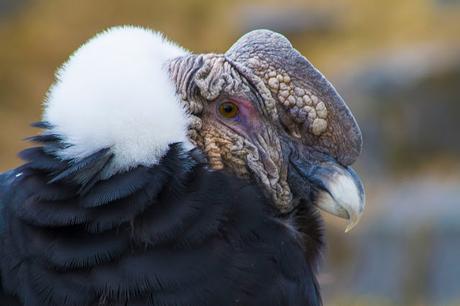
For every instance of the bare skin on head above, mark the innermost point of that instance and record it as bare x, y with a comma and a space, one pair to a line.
262, 110
246, 144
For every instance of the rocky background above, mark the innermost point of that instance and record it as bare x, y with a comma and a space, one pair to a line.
396, 63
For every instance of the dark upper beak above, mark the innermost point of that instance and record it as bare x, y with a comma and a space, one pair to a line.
332, 187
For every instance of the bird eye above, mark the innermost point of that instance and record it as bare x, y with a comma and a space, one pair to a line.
228, 110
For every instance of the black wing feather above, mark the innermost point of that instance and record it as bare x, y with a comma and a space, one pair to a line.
172, 234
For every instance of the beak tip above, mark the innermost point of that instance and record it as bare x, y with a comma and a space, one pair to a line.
355, 217
352, 223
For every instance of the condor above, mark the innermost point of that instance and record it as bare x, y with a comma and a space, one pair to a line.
163, 177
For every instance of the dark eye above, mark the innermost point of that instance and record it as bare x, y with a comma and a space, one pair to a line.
228, 110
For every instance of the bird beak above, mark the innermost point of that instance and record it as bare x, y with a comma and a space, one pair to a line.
341, 192
335, 189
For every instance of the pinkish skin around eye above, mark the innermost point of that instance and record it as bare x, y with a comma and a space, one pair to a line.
248, 119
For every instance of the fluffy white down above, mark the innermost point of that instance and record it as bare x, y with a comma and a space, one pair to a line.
115, 92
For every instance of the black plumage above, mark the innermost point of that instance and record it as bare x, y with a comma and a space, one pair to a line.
176, 233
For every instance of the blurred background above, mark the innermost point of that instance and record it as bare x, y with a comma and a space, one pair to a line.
396, 63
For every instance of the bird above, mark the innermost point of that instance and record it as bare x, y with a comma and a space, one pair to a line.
159, 176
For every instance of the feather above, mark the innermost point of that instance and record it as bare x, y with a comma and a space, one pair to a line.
40, 160
82, 171
117, 187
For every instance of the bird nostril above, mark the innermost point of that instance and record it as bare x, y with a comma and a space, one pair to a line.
289, 126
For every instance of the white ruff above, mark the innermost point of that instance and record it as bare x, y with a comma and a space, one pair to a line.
115, 92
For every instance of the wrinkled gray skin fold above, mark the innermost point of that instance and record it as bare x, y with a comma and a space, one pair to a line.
343, 141
303, 138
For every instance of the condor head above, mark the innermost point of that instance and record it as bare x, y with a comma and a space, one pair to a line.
262, 111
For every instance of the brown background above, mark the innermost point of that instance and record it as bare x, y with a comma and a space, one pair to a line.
396, 63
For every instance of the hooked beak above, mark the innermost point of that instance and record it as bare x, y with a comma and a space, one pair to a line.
331, 187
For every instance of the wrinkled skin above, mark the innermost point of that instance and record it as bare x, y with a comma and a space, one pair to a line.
293, 133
